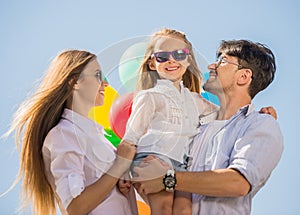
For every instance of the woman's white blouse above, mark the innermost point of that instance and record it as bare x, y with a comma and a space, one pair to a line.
76, 154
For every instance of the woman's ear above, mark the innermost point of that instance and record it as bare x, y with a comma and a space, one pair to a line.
74, 84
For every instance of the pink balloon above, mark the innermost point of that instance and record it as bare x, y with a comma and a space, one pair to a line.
119, 113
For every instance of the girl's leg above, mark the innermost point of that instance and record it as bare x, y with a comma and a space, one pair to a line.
161, 203
182, 203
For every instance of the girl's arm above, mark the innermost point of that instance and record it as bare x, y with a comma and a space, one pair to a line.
143, 109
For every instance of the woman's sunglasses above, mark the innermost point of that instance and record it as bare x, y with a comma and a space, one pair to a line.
99, 75
177, 55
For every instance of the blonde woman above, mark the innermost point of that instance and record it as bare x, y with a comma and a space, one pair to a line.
65, 158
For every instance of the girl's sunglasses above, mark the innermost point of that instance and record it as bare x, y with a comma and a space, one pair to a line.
178, 55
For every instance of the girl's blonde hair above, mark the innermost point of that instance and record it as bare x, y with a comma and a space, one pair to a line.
36, 117
148, 78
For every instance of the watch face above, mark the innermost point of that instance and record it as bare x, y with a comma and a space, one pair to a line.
170, 182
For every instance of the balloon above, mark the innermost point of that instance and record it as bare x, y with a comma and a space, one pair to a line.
112, 137
129, 63
143, 208
100, 113
210, 97
119, 113
207, 95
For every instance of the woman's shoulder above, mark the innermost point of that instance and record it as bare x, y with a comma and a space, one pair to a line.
62, 137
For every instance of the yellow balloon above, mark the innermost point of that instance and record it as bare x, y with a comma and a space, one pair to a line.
101, 113
143, 208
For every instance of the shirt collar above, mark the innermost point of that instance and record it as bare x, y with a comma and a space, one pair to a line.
82, 122
169, 83
212, 116
250, 109
208, 118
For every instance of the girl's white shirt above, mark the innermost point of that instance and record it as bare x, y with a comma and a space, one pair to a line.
164, 120
76, 154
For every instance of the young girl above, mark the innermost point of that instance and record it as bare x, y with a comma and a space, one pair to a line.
65, 158
165, 111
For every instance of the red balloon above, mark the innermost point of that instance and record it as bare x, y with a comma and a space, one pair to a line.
119, 113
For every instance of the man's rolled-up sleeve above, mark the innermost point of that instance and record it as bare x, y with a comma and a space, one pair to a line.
258, 151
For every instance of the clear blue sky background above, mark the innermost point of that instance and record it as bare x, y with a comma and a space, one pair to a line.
33, 32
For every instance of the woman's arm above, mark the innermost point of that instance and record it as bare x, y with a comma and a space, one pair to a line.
94, 194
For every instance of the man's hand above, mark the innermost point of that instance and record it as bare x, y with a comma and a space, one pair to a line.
149, 175
269, 110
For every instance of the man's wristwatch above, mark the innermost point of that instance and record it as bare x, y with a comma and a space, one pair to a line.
169, 181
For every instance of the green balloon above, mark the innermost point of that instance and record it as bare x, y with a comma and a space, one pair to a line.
112, 137
129, 63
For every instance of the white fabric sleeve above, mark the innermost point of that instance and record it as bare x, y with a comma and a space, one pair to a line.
204, 106
143, 108
67, 160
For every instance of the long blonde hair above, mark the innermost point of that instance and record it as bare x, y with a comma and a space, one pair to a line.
33, 120
148, 78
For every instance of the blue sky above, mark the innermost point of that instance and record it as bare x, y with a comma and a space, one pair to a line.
33, 32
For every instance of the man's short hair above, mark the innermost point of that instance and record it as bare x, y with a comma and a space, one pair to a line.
254, 56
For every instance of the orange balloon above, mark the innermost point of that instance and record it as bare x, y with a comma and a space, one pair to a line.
100, 113
143, 208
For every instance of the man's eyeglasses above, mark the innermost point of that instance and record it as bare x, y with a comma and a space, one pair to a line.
98, 75
178, 55
222, 60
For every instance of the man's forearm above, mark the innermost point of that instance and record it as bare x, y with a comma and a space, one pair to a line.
222, 182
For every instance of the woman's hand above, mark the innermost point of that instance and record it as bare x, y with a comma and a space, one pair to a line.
124, 186
126, 150
125, 154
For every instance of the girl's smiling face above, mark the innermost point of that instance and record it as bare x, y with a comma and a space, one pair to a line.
171, 69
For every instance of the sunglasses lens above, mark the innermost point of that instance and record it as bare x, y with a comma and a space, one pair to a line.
162, 56
179, 55
100, 76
